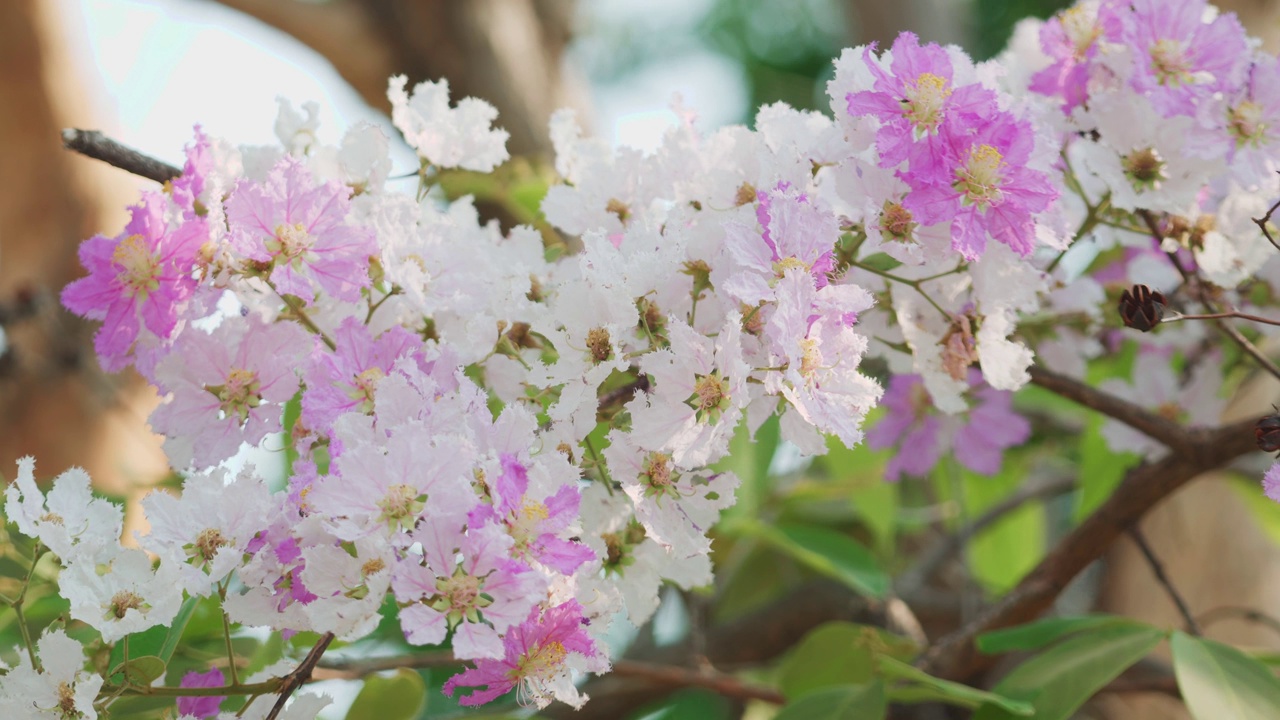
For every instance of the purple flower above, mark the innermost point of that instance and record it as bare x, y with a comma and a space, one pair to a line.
188, 187
915, 102
977, 441
983, 186
298, 228
1071, 39
138, 278
201, 707
346, 379
1179, 59
1271, 482
535, 655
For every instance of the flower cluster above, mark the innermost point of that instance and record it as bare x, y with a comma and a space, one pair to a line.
519, 445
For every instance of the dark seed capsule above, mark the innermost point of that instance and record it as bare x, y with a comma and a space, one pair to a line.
1267, 432
1141, 308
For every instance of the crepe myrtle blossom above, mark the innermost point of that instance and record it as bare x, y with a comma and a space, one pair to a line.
206, 532
539, 659
982, 185
297, 232
537, 518
346, 379
226, 388
466, 583
1073, 39
1191, 400
977, 441
119, 592
349, 582
60, 689
443, 136
201, 708
140, 278
793, 231
918, 98
70, 521
1181, 53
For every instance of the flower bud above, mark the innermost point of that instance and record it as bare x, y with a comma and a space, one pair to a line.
1141, 308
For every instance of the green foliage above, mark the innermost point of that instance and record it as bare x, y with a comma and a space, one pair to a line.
400, 695
1218, 681
1041, 633
842, 702
1058, 681
825, 551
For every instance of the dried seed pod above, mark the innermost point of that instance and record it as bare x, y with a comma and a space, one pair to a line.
1141, 308
1267, 433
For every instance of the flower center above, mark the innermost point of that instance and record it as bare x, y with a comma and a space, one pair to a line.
896, 222
67, 701
710, 397
290, 241
925, 101
363, 387
207, 544
658, 477
598, 345
400, 506
1170, 61
138, 268
238, 395
1081, 27
1245, 122
1144, 168
122, 602
978, 180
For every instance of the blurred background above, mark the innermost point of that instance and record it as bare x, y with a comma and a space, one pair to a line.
146, 71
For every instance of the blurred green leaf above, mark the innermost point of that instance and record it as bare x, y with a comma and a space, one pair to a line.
1058, 681
140, 670
1038, 634
402, 695
1010, 547
750, 460
1265, 510
927, 688
1218, 681
825, 551
173, 633
834, 653
844, 702
1101, 470
691, 704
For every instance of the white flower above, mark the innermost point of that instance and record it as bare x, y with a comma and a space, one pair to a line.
70, 516
61, 689
447, 137
206, 532
122, 594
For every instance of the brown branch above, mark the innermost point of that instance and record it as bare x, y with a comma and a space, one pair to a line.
1262, 224
356, 668
677, 677
955, 657
1161, 577
1247, 614
1158, 428
94, 144
300, 676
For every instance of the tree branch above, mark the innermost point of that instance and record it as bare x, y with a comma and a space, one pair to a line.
300, 676
1157, 568
955, 656
677, 677
94, 144
1158, 428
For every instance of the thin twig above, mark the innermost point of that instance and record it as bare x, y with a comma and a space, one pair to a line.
931, 559
300, 676
1247, 614
355, 668
1221, 315
726, 685
1262, 224
1157, 568
94, 144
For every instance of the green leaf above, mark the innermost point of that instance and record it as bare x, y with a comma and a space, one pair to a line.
828, 552
402, 695
1058, 681
846, 702
1041, 633
927, 688
140, 671
690, 704
174, 633
1010, 547
1101, 470
879, 261
1218, 681
750, 460
835, 653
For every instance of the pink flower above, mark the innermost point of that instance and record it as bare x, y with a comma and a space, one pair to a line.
346, 379
915, 103
983, 186
535, 524
138, 278
188, 187
921, 436
793, 231
1271, 482
1179, 59
201, 707
299, 229
228, 387
537, 659
1071, 39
